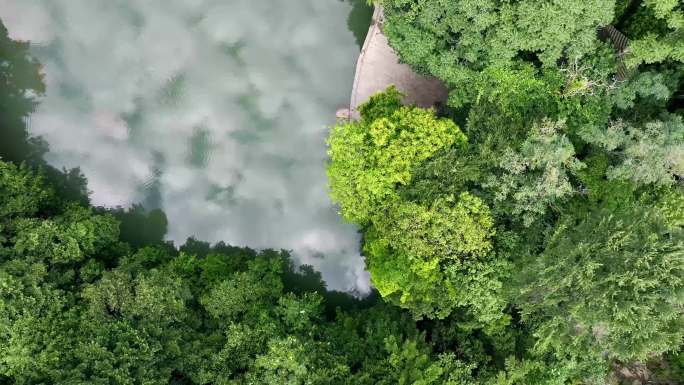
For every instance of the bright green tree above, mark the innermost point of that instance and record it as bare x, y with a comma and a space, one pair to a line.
370, 158
429, 257
433, 259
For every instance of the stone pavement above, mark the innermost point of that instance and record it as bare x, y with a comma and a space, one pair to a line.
378, 67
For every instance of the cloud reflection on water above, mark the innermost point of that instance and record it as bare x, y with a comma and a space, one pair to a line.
213, 110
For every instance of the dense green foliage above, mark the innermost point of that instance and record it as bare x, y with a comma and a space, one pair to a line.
372, 156
658, 30
555, 210
419, 255
80, 306
626, 265
77, 305
533, 233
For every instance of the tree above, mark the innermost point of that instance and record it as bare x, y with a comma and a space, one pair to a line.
370, 158
245, 294
431, 260
22, 191
609, 281
546, 247
411, 364
657, 32
650, 154
453, 40
505, 100
538, 175
71, 237
429, 257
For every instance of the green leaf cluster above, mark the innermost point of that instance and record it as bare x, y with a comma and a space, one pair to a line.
370, 158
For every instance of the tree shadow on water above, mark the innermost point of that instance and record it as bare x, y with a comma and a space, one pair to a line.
22, 85
359, 20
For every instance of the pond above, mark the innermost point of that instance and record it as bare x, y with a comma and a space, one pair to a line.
214, 111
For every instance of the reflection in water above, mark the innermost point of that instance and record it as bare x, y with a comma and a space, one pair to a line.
359, 19
139, 226
20, 79
213, 111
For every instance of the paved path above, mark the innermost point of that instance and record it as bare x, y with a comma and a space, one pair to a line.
378, 67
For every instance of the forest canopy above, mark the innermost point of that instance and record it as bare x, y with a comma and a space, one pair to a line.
529, 232
552, 204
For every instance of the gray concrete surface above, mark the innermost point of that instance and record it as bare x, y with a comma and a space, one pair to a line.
378, 67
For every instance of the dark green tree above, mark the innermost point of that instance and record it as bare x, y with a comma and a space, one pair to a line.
609, 281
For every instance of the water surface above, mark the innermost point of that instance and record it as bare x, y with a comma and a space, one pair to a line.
214, 111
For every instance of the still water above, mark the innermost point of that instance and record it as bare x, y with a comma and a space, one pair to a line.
215, 111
